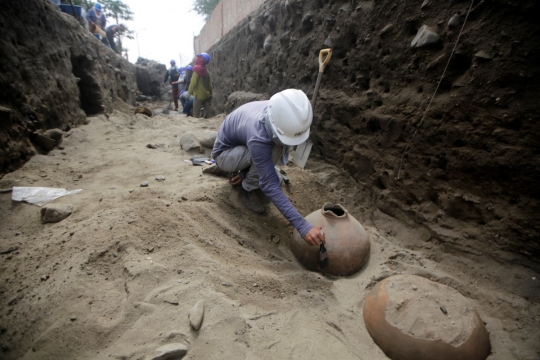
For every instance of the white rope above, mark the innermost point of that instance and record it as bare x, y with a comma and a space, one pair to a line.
433, 96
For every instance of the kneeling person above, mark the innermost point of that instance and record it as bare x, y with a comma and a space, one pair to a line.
253, 139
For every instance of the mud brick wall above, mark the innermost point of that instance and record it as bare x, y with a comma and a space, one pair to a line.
225, 17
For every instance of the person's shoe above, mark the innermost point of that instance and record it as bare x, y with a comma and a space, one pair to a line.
215, 170
252, 200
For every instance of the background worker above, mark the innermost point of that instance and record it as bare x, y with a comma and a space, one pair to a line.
173, 74
187, 102
111, 31
253, 139
189, 74
201, 85
96, 17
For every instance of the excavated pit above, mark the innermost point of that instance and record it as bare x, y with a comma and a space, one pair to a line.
117, 278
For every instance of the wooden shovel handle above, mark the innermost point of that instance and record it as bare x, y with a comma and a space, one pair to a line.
324, 58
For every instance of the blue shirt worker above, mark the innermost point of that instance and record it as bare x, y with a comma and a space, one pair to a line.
253, 139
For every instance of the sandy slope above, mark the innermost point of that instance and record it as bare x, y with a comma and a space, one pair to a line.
118, 277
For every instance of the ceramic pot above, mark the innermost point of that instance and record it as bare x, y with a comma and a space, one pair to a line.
347, 242
399, 345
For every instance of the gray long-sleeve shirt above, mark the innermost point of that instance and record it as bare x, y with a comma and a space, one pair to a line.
92, 17
242, 127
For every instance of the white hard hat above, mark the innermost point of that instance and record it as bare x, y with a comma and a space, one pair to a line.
290, 114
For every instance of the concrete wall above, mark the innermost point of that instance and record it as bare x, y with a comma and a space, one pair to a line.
226, 15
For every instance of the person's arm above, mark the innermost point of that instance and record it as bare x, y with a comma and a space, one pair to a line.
89, 17
166, 76
104, 21
194, 78
269, 182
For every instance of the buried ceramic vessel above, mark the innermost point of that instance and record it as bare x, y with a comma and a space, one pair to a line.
412, 325
347, 242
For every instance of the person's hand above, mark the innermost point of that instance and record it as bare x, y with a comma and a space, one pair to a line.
235, 180
315, 236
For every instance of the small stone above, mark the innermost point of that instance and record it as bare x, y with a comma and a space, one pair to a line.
226, 284
196, 315
255, 285
172, 301
189, 142
17, 233
184, 198
482, 55
415, 287
267, 47
386, 30
454, 21
73, 318
173, 351
328, 42
160, 178
55, 213
208, 138
130, 191
13, 300
424, 37
144, 184
443, 309
307, 22
424, 4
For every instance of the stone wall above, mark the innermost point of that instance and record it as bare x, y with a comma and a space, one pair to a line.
52, 74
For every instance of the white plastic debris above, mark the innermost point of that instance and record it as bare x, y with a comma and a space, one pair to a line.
39, 195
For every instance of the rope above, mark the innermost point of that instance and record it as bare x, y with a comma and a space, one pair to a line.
243, 27
436, 89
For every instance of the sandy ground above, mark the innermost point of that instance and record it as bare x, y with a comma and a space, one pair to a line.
117, 278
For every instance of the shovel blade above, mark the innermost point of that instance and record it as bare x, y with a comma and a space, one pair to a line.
301, 154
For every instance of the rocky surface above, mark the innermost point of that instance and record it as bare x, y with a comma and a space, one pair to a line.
208, 138
174, 351
470, 175
55, 213
190, 142
150, 77
52, 80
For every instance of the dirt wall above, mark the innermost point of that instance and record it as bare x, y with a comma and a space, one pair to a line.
471, 174
52, 73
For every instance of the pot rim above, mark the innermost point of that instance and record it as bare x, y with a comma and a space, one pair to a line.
326, 210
